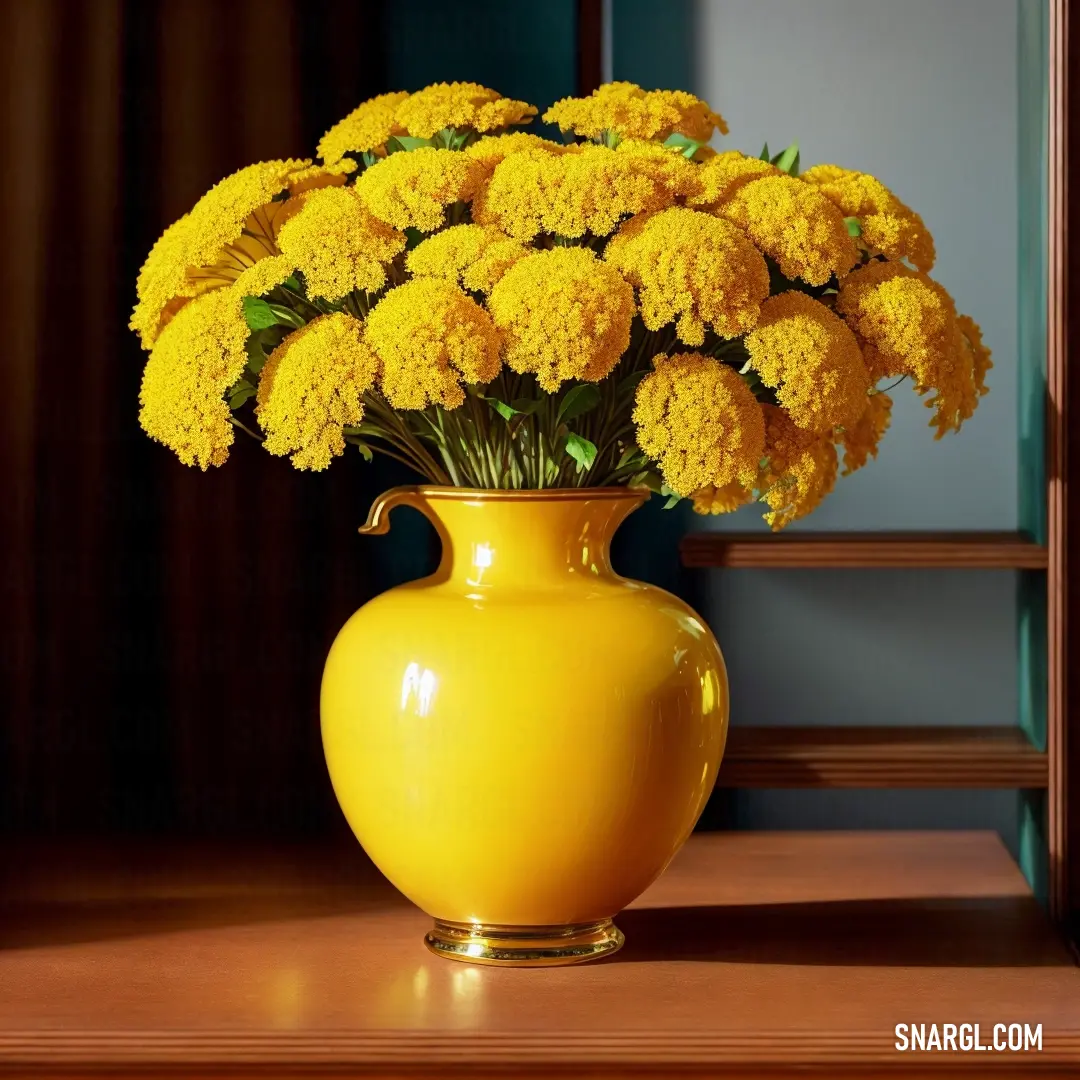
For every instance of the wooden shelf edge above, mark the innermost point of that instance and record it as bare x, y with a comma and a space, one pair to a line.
845, 757
970, 551
460, 1053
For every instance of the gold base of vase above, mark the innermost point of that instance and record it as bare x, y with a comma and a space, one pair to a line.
524, 946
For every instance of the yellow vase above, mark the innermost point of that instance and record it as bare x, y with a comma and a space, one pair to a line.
523, 740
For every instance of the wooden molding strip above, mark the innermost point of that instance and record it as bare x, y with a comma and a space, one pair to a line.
421, 1053
859, 757
972, 551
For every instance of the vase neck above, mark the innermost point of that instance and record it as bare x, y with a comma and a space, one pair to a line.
527, 538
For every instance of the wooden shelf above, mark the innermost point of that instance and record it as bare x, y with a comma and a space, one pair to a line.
972, 551
754, 955
864, 757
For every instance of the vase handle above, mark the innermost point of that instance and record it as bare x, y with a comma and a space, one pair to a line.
378, 520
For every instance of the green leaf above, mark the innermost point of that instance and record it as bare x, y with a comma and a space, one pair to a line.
520, 407
257, 313
578, 400
628, 456
413, 237
239, 396
286, 316
581, 450
256, 355
653, 482
684, 144
765, 153
854, 227
292, 282
788, 160
397, 143
672, 500
365, 450
363, 428
507, 412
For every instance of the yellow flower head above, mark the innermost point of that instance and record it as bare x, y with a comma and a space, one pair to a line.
194, 361
367, 127
414, 188
492, 149
812, 360
911, 327
981, 362
700, 422
800, 472
565, 315
230, 228
722, 500
338, 244
795, 224
694, 268
568, 194
860, 440
721, 176
673, 173
264, 276
633, 113
430, 337
460, 105
311, 386
472, 256
889, 227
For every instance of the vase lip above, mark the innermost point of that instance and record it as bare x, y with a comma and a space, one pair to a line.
582, 494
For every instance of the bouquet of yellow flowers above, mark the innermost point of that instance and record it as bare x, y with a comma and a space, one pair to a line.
499, 310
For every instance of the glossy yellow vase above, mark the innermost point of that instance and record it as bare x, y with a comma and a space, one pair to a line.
523, 740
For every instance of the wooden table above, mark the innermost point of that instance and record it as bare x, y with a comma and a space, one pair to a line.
755, 955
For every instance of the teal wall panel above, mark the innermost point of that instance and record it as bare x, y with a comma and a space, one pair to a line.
523, 49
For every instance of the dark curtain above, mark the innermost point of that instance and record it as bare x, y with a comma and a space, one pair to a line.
163, 630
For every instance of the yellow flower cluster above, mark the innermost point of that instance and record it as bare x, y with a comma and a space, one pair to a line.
694, 268
195, 359
861, 439
794, 224
910, 327
459, 105
472, 256
311, 386
264, 276
510, 271
568, 194
721, 176
812, 360
429, 337
366, 128
630, 112
338, 244
565, 315
492, 149
698, 419
800, 471
980, 354
230, 228
889, 227
675, 176
722, 500
413, 190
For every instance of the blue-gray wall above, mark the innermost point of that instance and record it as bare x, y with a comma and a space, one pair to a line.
924, 95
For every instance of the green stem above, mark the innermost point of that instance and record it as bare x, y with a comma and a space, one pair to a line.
243, 427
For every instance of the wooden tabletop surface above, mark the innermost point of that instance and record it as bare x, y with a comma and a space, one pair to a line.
756, 954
